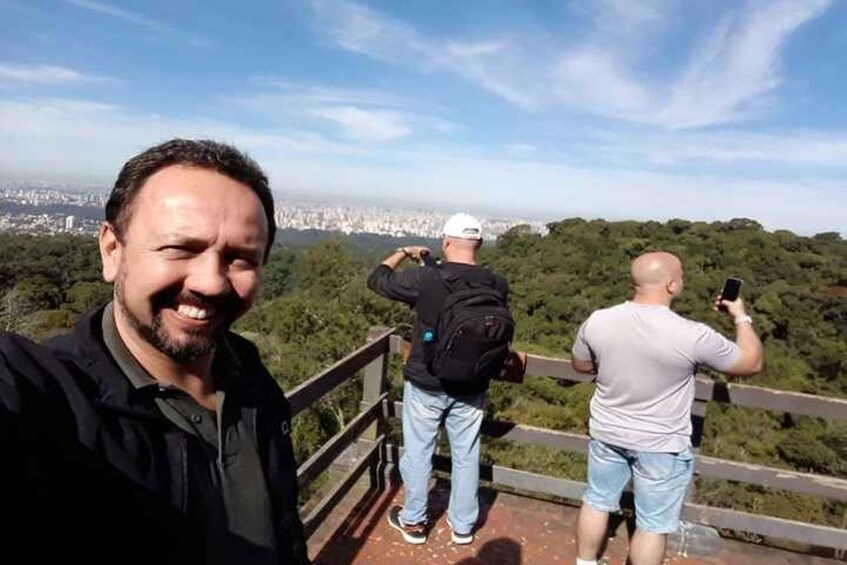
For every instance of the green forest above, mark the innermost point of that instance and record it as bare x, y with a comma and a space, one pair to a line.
314, 308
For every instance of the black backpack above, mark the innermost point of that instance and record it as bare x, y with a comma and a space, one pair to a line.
472, 334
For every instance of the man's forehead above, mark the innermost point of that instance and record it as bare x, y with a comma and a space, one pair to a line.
181, 201
182, 188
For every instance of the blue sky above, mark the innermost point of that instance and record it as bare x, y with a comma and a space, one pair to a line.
612, 109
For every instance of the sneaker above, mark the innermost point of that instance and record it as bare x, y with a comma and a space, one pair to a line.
460, 539
412, 533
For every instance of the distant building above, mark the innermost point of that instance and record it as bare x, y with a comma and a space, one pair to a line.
69, 223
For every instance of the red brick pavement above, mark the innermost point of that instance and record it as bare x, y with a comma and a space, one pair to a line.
513, 530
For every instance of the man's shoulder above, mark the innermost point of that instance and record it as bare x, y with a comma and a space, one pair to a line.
249, 357
13, 345
673, 323
241, 345
245, 351
473, 273
16, 346
688, 324
24, 360
608, 312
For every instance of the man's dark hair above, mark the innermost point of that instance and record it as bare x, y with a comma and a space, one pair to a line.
203, 153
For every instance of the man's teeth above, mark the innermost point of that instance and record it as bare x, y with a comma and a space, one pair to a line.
194, 312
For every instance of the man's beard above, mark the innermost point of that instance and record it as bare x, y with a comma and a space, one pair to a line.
200, 342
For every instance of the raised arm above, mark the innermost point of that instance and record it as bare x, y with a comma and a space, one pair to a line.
751, 359
404, 286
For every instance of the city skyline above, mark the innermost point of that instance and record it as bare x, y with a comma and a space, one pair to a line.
640, 109
53, 210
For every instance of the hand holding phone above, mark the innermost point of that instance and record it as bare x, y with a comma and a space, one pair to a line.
427, 259
730, 291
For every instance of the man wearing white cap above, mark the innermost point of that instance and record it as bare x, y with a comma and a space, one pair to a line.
463, 304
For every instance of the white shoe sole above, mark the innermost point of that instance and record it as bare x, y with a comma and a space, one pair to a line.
406, 537
462, 540
459, 539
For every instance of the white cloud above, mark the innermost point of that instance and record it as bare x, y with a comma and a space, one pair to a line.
44, 136
522, 149
598, 80
791, 148
46, 74
141, 21
428, 175
362, 114
737, 64
727, 78
625, 17
308, 95
475, 49
498, 65
367, 125
362, 30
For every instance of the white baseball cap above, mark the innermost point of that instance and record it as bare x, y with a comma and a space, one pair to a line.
463, 226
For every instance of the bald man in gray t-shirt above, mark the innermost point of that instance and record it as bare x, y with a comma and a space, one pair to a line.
645, 385
645, 357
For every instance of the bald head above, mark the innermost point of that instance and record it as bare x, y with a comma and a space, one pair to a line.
459, 250
658, 275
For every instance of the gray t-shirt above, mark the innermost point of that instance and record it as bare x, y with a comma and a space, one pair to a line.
646, 358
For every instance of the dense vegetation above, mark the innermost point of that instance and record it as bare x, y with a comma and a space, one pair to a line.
314, 309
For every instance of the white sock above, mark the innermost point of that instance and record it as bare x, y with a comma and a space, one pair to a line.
586, 561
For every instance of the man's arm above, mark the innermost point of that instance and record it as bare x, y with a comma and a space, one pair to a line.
584, 366
582, 358
403, 286
752, 358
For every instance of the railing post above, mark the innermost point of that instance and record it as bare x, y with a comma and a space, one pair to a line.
841, 553
691, 537
374, 383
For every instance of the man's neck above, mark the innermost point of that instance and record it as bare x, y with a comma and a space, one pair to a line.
463, 258
194, 378
652, 299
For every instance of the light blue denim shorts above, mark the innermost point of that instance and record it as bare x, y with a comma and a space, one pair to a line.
659, 483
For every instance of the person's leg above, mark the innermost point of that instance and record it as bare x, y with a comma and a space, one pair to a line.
421, 417
646, 548
660, 482
608, 473
463, 424
591, 528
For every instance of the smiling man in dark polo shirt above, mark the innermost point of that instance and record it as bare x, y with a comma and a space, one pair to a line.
152, 433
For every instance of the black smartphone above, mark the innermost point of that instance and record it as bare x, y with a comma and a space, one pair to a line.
731, 289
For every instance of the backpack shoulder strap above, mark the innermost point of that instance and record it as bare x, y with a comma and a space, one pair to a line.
435, 288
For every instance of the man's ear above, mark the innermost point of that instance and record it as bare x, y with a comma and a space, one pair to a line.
110, 251
672, 286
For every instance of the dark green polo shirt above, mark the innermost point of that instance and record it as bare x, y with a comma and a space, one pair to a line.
220, 441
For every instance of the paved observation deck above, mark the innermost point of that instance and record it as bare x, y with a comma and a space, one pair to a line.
525, 517
512, 530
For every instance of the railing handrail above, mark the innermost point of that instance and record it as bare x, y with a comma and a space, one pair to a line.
327, 380
707, 390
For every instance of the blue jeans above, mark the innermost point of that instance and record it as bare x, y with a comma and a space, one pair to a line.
659, 483
462, 416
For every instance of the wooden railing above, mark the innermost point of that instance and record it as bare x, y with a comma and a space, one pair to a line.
374, 356
367, 429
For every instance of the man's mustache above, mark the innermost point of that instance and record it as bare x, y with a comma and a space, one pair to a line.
227, 303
